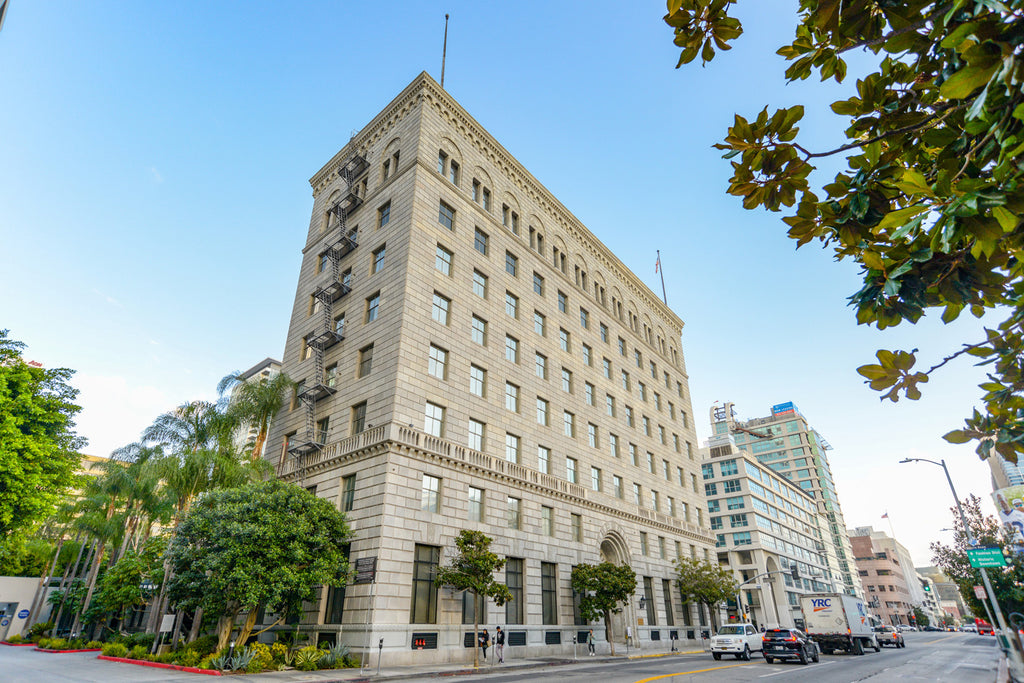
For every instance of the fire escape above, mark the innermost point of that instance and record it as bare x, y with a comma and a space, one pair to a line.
328, 334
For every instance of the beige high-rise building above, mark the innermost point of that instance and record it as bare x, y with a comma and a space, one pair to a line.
470, 356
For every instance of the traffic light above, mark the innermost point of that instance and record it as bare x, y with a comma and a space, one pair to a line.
794, 572
927, 588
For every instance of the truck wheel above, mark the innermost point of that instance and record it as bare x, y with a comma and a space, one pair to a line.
858, 647
716, 655
878, 648
746, 653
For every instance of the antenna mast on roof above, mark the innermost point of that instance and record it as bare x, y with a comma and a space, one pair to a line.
444, 50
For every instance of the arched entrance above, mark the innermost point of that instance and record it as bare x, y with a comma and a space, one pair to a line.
615, 551
775, 613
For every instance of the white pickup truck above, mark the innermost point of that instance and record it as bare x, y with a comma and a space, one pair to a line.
736, 639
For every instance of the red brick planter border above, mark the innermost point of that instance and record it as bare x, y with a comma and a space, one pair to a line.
95, 649
4, 642
160, 665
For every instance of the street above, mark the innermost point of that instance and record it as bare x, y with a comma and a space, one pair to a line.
949, 657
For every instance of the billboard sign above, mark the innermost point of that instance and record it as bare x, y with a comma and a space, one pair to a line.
783, 408
1010, 504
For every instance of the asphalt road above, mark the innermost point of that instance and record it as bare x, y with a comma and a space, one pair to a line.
942, 657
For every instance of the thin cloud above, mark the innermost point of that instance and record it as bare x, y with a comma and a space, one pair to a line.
157, 178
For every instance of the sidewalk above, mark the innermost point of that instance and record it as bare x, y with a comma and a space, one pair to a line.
395, 673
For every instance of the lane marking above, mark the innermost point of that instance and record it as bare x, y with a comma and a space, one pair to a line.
698, 671
787, 671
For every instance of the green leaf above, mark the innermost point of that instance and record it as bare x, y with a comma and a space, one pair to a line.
899, 217
967, 80
1006, 219
957, 436
913, 182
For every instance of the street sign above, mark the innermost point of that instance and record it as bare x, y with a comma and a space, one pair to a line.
366, 569
986, 556
979, 592
23, 614
167, 623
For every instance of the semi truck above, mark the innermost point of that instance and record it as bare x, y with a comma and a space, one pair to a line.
837, 621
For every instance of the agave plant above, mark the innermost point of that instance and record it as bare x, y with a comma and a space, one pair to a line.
334, 655
242, 658
306, 659
223, 662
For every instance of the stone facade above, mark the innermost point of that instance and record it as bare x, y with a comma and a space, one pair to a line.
437, 409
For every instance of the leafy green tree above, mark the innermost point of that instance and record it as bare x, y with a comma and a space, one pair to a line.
1008, 583
38, 446
267, 544
603, 588
21, 555
930, 203
472, 568
920, 618
254, 402
705, 583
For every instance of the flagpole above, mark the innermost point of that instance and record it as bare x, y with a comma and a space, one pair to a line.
661, 271
444, 50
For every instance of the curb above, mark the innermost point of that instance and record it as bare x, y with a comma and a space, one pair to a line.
160, 665
4, 642
60, 652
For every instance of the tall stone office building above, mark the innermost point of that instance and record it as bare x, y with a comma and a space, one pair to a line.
789, 445
470, 356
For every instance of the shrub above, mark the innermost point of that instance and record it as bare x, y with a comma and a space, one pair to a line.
143, 639
189, 658
306, 659
351, 662
262, 659
165, 658
39, 630
43, 643
204, 645
139, 652
74, 644
206, 662
333, 656
115, 650
15, 639
221, 662
242, 659
93, 644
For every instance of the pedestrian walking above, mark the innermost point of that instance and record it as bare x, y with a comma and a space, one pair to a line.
590, 642
499, 645
485, 641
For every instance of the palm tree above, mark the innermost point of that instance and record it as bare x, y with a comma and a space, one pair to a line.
254, 402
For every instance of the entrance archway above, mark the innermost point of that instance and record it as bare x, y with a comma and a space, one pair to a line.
615, 551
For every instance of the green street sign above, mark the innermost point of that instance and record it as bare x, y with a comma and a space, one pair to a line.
986, 557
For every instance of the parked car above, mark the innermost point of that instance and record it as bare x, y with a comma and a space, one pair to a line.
888, 635
789, 643
969, 628
903, 628
929, 627
736, 639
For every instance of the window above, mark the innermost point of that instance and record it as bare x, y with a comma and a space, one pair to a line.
638, 497
613, 445
439, 312
511, 397
443, 260
512, 448
607, 368
629, 415
514, 580
348, 493
538, 284
433, 419
729, 468
655, 502
665, 470
638, 358
570, 470
442, 162
622, 346
642, 390
423, 605
453, 172
604, 333
566, 381
548, 592
477, 381
609, 402
588, 392
662, 554
476, 190
541, 366
647, 425
487, 199
378, 259
563, 339
513, 515
322, 429
650, 462
331, 375
617, 485
511, 305
446, 216
538, 323
437, 366
595, 478
741, 538
372, 305
592, 435
511, 349
625, 380
358, 417
544, 459
547, 520
431, 493
738, 520
731, 486
365, 360
384, 215
586, 354
476, 504
479, 332
671, 506
563, 302
632, 455
307, 351
511, 263
542, 412
584, 319
569, 424
480, 241
644, 550
479, 284
476, 435
734, 503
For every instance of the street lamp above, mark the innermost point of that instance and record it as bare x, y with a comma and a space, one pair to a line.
1014, 654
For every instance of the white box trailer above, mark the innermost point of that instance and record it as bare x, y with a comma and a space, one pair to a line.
837, 621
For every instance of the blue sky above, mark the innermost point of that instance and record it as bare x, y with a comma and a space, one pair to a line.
154, 199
